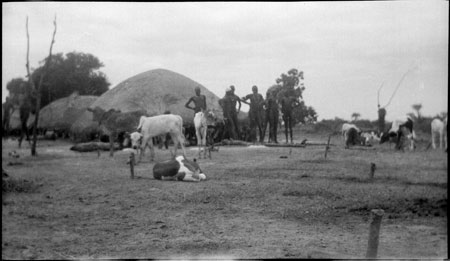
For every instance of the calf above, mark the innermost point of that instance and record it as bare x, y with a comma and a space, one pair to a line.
180, 169
158, 125
439, 129
400, 129
114, 122
368, 137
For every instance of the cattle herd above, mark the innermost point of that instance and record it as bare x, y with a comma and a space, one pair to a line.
399, 131
180, 168
139, 130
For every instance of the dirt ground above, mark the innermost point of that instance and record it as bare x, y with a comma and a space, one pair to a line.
253, 204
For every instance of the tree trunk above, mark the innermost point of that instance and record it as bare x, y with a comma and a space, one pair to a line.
35, 124
36, 92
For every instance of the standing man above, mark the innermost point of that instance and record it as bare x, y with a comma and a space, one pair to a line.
288, 102
256, 113
8, 109
199, 101
234, 114
381, 117
271, 116
228, 113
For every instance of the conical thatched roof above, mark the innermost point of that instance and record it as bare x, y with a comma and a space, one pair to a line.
154, 91
62, 113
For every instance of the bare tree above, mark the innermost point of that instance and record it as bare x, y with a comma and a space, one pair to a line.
382, 109
36, 91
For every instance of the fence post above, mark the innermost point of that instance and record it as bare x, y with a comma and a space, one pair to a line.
132, 165
372, 170
328, 146
374, 232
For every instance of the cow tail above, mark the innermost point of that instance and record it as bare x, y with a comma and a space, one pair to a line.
141, 122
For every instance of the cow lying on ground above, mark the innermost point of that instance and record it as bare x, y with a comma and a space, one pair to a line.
439, 129
367, 138
150, 127
350, 134
400, 129
180, 169
113, 122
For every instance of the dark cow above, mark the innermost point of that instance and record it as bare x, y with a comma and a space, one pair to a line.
189, 133
400, 129
179, 168
114, 122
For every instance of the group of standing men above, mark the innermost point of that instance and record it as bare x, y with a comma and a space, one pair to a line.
262, 112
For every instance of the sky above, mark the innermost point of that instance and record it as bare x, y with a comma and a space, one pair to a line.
347, 50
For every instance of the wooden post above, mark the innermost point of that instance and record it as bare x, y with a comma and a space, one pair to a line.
132, 165
328, 146
376, 216
98, 145
372, 170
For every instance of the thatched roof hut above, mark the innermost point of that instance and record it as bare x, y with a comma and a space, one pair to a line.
154, 91
62, 113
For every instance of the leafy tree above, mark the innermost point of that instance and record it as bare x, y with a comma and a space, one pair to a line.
355, 116
291, 84
304, 114
74, 72
15, 87
417, 107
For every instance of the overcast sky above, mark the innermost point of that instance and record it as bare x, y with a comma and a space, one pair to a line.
345, 49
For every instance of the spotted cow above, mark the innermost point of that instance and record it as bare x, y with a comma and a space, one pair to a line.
180, 169
399, 130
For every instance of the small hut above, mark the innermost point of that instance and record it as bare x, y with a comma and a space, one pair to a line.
60, 114
154, 91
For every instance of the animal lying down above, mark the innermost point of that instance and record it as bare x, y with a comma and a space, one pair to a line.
179, 168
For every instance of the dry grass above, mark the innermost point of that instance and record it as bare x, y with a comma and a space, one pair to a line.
253, 205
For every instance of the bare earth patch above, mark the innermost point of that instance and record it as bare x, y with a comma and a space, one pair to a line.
253, 204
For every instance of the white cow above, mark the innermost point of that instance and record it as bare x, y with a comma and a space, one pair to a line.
439, 129
201, 120
150, 127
